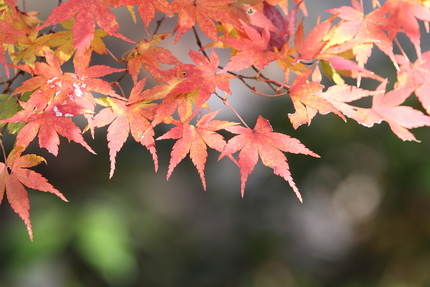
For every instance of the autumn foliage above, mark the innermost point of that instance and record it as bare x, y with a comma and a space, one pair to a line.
44, 105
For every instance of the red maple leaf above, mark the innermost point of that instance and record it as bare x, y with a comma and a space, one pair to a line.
196, 85
402, 17
8, 35
86, 13
58, 97
253, 49
386, 107
317, 46
150, 57
194, 139
47, 126
202, 11
310, 47
147, 8
268, 145
14, 175
125, 117
416, 75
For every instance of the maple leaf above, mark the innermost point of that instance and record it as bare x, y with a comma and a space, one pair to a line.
253, 50
317, 45
310, 47
150, 57
402, 17
416, 75
61, 41
307, 102
268, 16
86, 12
202, 11
194, 140
205, 72
268, 145
341, 94
14, 175
147, 8
193, 85
386, 107
202, 76
281, 28
124, 117
58, 98
47, 126
364, 30
9, 35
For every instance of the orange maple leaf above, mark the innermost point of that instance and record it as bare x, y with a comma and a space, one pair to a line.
14, 175
307, 102
194, 139
268, 145
125, 117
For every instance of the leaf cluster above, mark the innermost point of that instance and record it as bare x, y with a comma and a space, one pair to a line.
259, 33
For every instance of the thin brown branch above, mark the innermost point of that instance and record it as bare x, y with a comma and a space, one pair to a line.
199, 42
158, 24
10, 81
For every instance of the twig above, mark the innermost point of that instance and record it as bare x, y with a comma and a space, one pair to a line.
158, 24
199, 42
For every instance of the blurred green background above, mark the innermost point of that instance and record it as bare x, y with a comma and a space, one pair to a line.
365, 220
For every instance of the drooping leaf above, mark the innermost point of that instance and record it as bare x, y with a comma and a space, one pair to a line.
342, 94
386, 107
262, 142
194, 140
14, 175
125, 117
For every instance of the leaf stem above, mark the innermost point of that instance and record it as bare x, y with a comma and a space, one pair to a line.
225, 101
